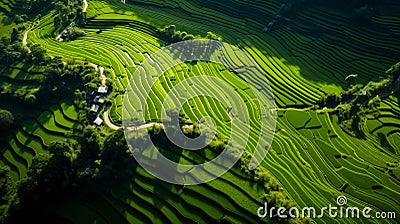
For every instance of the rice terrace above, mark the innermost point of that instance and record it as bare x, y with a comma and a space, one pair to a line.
81, 99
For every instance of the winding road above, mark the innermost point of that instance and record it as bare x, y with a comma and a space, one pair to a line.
108, 122
24, 40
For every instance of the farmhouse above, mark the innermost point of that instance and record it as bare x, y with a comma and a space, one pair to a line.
98, 121
102, 90
94, 108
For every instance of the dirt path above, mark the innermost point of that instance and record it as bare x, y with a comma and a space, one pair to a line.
103, 77
133, 128
147, 125
24, 41
108, 121
85, 5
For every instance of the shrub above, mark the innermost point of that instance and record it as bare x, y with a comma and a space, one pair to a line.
213, 36
6, 119
18, 19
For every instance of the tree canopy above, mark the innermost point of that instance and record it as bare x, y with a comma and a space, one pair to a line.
6, 119
8, 197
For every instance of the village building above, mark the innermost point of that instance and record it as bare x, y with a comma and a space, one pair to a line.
98, 121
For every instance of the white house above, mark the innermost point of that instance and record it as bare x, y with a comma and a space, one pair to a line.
94, 108
102, 89
98, 121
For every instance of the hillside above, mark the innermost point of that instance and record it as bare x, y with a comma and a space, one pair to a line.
331, 138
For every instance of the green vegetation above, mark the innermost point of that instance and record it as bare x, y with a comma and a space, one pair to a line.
337, 134
72, 32
68, 11
8, 193
6, 119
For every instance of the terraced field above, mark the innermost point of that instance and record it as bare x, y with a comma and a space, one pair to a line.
38, 128
33, 135
311, 156
8, 6
327, 155
145, 199
7, 11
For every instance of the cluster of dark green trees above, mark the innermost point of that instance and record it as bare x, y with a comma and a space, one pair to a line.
11, 52
8, 192
90, 164
171, 35
66, 11
11, 49
354, 104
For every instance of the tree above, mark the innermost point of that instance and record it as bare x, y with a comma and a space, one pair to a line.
394, 69
170, 30
116, 158
6, 119
37, 53
91, 148
35, 177
330, 100
57, 21
8, 196
64, 155
10, 51
15, 35
73, 32
188, 37
80, 17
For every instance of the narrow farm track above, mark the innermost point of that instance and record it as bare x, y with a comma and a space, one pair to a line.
24, 40
108, 122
